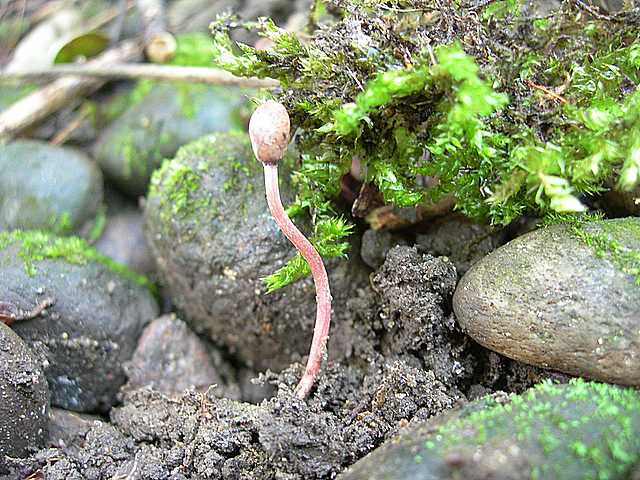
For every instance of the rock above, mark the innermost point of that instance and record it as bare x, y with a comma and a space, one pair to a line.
460, 240
153, 128
49, 187
170, 358
575, 431
24, 398
123, 240
213, 239
67, 428
99, 310
563, 297
376, 244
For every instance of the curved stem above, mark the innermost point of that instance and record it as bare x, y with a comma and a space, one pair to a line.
320, 279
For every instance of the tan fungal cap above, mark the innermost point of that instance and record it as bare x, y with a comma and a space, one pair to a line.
269, 130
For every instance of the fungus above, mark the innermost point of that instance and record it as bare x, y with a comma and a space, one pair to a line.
269, 132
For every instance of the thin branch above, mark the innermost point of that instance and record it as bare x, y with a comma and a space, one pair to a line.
35, 107
212, 76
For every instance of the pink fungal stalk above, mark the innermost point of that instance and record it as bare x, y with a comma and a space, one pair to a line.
269, 132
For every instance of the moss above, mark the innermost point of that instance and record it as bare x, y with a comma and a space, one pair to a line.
97, 228
606, 239
583, 429
36, 246
513, 117
175, 183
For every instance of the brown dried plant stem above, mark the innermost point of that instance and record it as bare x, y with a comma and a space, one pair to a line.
212, 76
321, 281
42, 103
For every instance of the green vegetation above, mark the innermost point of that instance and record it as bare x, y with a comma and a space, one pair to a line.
513, 116
36, 246
583, 429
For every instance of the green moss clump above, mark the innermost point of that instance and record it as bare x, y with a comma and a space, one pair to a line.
174, 183
36, 246
513, 114
582, 430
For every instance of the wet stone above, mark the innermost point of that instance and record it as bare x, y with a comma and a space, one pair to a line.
47, 187
95, 313
563, 297
155, 126
460, 240
213, 240
123, 240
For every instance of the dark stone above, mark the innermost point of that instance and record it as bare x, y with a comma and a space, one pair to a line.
213, 239
551, 431
83, 340
47, 187
153, 129
24, 398
123, 240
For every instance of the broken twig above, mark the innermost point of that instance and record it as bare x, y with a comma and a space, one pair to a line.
212, 76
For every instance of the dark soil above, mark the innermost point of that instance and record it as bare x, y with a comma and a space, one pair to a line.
352, 410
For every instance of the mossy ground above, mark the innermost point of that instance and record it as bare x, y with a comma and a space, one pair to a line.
36, 246
514, 113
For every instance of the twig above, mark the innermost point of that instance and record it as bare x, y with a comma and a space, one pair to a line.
64, 134
9, 313
212, 76
547, 91
160, 44
42, 103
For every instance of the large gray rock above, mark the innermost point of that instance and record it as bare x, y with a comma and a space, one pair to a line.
47, 187
213, 238
563, 297
24, 398
155, 126
575, 431
92, 327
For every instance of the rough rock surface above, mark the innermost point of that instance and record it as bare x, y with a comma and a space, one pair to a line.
154, 127
575, 431
552, 299
460, 240
123, 240
47, 187
92, 328
213, 239
24, 398
170, 358
376, 244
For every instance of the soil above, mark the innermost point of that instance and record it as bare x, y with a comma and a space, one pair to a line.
353, 409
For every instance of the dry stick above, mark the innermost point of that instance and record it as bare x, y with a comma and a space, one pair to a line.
160, 45
212, 76
269, 130
42, 103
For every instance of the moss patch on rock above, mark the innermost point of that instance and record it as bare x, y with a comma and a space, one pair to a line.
36, 246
